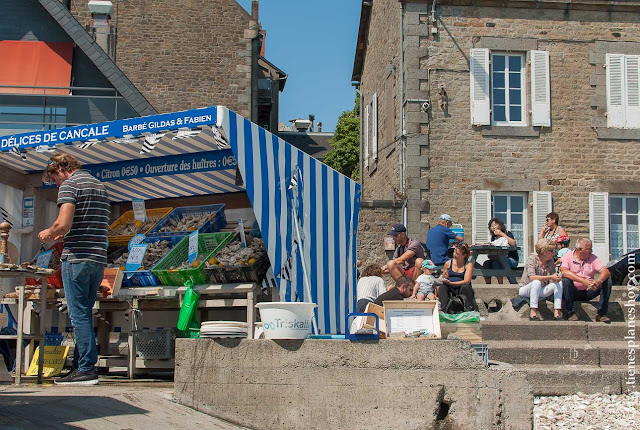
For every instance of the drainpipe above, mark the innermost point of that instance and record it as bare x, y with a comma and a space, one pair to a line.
401, 152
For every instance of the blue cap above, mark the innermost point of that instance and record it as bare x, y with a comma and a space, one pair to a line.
446, 217
428, 264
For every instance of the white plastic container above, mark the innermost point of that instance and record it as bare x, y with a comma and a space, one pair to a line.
286, 320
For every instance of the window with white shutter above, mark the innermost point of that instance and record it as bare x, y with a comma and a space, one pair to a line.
540, 89
623, 91
374, 127
599, 225
480, 215
365, 142
542, 205
479, 72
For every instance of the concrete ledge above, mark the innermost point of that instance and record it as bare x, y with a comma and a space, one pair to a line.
338, 384
554, 381
618, 133
395, 204
503, 131
508, 44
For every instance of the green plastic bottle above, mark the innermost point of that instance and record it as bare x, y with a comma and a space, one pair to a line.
188, 311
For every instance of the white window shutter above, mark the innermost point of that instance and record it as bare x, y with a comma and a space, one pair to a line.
632, 74
540, 89
365, 155
374, 127
542, 205
480, 215
599, 225
479, 72
615, 90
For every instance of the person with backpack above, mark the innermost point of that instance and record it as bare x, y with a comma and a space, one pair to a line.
455, 294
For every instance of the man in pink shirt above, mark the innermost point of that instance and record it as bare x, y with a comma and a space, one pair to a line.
578, 280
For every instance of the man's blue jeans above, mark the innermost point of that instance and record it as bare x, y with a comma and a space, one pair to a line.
571, 294
81, 281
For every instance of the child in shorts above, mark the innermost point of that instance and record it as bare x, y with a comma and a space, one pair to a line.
424, 287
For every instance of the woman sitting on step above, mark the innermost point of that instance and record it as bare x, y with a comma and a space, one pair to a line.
539, 279
456, 279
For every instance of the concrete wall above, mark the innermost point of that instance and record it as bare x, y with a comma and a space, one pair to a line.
342, 385
447, 158
183, 55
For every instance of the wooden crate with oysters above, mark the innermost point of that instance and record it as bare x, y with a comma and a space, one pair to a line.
237, 264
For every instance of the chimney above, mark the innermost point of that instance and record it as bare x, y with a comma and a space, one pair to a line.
254, 10
312, 118
319, 127
101, 11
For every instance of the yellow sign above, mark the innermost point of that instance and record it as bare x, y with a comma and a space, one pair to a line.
54, 358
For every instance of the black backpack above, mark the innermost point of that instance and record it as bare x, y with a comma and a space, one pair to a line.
455, 305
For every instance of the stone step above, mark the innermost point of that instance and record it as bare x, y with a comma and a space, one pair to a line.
486, 292
550, 380
559, 352
554, 330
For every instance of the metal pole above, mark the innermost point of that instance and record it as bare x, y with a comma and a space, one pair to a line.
43, 326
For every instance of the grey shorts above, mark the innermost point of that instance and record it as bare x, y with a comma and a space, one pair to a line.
425, 290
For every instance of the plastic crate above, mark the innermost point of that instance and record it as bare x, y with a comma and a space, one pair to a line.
483, 351
154, 215
228, 274
215, 221
208, 244
54, 280
143, 278
155, 344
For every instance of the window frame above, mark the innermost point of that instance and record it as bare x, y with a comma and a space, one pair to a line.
623, 214
523, 98
524, 246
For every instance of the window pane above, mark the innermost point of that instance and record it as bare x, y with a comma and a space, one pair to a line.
632, 205
515, 63
515, 97
500, 205
498, 62
498, 96
616, 220
615, 205
515, 113
616, 233
498, 80
499, 113
514, 80
516, 219
517, 204
632, 220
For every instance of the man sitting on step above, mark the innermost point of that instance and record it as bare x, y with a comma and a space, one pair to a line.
579, 283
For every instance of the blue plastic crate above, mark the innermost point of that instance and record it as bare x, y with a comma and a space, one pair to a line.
483, 351
215, 222
145, 278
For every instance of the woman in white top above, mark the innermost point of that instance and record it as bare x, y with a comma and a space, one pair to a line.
370, 286
539, 279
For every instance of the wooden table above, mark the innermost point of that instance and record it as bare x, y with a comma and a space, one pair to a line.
501, 252
21, 275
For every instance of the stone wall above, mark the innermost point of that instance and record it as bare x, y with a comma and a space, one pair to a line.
183, 55
448, 158
333, 384
376, 219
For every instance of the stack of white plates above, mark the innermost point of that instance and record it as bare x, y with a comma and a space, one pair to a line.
224, 329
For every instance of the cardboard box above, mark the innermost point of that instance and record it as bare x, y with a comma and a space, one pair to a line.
370, 322
111, 281
408, 316
471, 332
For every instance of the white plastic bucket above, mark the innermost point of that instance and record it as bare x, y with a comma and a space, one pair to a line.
286, 320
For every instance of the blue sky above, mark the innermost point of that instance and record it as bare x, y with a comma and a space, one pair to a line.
314, 43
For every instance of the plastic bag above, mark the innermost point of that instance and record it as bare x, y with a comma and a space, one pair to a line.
463, 317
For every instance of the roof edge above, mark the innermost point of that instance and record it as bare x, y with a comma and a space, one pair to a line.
361, 43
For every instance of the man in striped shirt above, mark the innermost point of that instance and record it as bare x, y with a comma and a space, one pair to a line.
83, 221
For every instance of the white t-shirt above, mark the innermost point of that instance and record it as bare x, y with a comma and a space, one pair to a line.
370, 287
426, 281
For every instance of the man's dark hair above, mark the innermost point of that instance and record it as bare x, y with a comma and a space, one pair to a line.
499, 222
404, 280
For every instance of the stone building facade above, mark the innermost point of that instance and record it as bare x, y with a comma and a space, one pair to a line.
185, 55
568, 142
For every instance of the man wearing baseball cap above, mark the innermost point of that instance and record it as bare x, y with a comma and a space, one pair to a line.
408, 256
438, 239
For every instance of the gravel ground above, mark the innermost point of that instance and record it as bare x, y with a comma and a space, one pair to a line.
587, 411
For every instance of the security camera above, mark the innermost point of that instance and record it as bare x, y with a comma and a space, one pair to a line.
425, 106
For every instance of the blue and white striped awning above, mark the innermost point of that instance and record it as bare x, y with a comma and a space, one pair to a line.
197, 152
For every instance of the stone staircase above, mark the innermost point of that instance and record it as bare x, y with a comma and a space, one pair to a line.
559, 357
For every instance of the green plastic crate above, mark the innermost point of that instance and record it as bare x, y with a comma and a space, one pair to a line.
209, 244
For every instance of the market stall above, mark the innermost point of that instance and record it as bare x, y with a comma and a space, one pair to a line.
208, 152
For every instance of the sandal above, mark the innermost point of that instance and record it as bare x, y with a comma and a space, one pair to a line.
535, 318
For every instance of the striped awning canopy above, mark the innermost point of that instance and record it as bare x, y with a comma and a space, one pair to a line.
307, 212
159, 156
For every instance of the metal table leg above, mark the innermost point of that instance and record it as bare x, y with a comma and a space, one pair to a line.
251, 315
19, 349
43, 326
